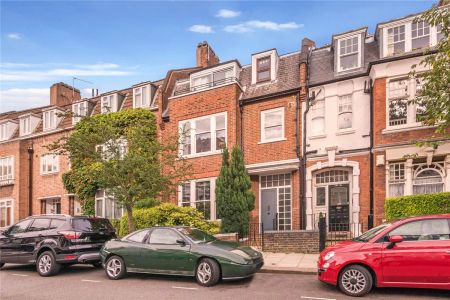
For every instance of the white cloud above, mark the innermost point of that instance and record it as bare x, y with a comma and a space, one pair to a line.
38, 72
201, 28
265, 25
227, 13
14, 36
18, 99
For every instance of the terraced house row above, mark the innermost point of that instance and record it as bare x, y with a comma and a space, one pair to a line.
324, 130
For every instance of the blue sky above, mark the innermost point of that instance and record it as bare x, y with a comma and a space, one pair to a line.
119, 43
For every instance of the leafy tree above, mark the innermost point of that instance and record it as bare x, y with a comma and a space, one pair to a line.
234, 196
434, 98
120, 153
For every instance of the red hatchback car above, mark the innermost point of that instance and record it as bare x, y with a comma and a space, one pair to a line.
413, 253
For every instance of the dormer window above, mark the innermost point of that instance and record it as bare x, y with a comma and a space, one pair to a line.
141, 96
25, 125
50, 119
420, 33
109, 104
396, 40
349, 55
7, 129
263, 69
79, 110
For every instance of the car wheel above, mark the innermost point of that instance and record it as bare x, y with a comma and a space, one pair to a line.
207, 272
97, 264
115, 267
46, 264
355, 281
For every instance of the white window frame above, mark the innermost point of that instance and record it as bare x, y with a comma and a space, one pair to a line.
105, 197
318, 111
139, 91
263, 138
340, 69
50, 119
425, 25
413, 88
4, 131
395, 177
213, 132
109, 103
193, 201
388, 44
345, 101
79, 110
6, 162
25, 125
47, 160
7, 203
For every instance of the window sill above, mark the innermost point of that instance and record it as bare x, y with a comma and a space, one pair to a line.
407, 127
272, 141
316, 137
201, 154
6, 182
48, 174
346, 131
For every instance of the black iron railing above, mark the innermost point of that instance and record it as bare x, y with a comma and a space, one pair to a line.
254, 236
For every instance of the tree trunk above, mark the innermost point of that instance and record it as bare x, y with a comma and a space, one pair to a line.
131, 225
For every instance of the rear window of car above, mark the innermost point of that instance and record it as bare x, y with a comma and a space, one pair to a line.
85, 224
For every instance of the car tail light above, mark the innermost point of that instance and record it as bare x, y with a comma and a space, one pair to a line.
70, 257
71, 235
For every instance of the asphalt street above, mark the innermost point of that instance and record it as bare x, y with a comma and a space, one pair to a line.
88, 283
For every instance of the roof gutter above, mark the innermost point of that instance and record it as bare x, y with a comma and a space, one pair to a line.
273, 95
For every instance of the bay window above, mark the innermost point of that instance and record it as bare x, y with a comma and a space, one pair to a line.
199, 193
428, 179
204, 135
106, 206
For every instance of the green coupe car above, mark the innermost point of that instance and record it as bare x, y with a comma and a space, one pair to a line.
179, 251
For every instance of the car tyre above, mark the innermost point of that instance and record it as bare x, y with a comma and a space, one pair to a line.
46, 264
207, 272
355, 281
115, 267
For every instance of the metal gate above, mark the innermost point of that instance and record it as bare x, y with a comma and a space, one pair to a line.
254, 236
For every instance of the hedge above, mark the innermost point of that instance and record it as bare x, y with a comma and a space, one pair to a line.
166, 215
417, 205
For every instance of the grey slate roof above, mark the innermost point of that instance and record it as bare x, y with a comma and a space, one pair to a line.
322, 64
287, 78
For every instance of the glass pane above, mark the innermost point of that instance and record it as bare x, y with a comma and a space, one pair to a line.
421, 42
320, 196
273, 133
318, 126
273, 118
345, 120
263, 75
99, 208
164, 236
145, 96
398, 110
349, 61
203, 125
220, 139
186, 194
203, 142
220, 122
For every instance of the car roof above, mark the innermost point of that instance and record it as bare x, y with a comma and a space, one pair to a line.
415, 218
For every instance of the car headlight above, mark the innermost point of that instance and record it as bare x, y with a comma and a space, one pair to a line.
241, 253
326, 265
329, 255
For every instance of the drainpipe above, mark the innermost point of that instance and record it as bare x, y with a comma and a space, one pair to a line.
30, 178
298, 152
370, 219
241, 111
303, 158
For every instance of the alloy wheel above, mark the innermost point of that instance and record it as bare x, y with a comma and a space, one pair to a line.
353, 281
45, 264
114, 267
204, 272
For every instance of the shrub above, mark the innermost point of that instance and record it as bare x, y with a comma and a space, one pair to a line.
417, 205
168, 214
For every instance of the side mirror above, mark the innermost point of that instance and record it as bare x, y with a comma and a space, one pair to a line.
394, 239
181, 242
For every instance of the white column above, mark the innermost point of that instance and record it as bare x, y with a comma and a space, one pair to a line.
408, 177
355, 198
308, 194
447, 174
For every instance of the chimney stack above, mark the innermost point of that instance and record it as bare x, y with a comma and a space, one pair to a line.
206, 56
62, 94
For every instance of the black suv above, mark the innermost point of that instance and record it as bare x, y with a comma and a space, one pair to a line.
49, 241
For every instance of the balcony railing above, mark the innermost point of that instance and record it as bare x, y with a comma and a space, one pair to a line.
204, 86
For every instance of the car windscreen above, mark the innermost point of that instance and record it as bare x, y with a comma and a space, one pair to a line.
91, 224
196, 235
368, 235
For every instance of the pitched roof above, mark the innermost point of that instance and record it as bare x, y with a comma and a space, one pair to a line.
288, 78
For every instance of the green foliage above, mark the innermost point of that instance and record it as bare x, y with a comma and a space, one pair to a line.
417, 205
435, 94
147, 203
234, 196
168, 214
131, 164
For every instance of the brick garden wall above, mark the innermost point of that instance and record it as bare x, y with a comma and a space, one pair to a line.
297, 241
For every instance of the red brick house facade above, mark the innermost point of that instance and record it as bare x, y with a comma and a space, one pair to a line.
323, 130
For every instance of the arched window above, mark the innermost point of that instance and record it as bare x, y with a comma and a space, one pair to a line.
428, 179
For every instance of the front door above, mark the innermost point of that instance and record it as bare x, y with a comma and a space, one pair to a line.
338, 207
269, 209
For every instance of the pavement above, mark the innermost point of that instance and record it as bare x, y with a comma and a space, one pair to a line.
299, 263
86, 282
